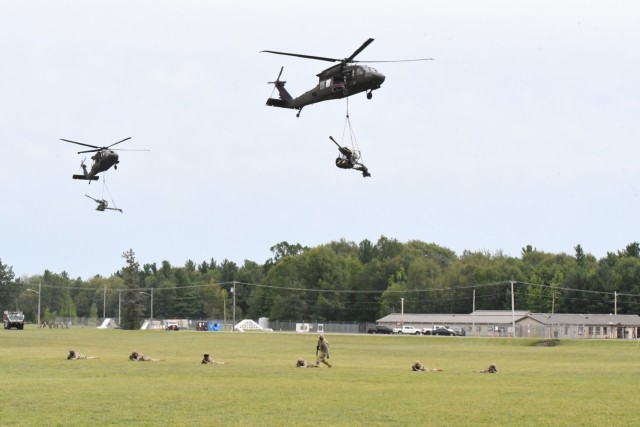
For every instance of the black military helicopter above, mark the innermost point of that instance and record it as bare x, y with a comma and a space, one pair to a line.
336, 82
104, 158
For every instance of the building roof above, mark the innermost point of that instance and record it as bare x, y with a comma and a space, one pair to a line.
587, 319
495, 317
450, 319
500, 313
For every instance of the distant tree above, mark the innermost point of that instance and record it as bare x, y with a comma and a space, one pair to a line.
284, 249
228, 270
9, 288
391, 299
387, 248
580, 256
93, 313
343, 248
366, 251
132, 304
632, 250
251, 273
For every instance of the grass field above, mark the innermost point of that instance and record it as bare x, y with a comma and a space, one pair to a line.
574, 383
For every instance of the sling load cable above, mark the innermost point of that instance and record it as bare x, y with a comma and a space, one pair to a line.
352, 136
104, 187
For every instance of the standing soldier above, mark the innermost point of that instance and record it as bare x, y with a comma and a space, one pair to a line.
323, 348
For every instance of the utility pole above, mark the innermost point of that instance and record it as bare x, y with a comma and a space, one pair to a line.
401, 312
513, 312
104, 304
473, 318
233, 290
119, 304
38, 292
150, 295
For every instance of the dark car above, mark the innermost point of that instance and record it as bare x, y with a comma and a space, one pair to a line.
380, 329
460, 332
444, 331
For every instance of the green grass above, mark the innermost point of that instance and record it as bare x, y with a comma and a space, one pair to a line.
572, 383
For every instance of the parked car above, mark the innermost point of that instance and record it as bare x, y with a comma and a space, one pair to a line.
444, 331
460, 332
429, 331
380, 329
406, 329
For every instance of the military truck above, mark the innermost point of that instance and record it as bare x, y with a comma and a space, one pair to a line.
13, 319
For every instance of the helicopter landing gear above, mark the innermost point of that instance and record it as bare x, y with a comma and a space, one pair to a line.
369, 95
299, 111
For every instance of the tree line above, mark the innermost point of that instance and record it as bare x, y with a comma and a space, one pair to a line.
341, 281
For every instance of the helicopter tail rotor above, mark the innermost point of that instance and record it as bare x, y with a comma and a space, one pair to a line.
277, 81
285, 97
85, 175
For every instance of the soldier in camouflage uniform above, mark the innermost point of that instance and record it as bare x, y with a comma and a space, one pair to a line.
74, 355
138, 357
323, 348
491, 369
417, 366
301, 363
207, 360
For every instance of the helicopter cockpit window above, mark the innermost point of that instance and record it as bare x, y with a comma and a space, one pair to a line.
359, 72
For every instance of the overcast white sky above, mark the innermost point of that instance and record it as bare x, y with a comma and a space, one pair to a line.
524, 130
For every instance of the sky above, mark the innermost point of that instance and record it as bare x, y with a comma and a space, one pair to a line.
523, 130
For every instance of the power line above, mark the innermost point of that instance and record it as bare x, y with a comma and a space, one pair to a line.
343, 291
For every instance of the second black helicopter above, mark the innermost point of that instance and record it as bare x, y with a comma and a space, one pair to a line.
338, 81
104, 158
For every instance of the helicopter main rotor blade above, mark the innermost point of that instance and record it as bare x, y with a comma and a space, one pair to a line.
90, 151
399, 60
360, 49
130, 149
319, 58
79, 143
118, 142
